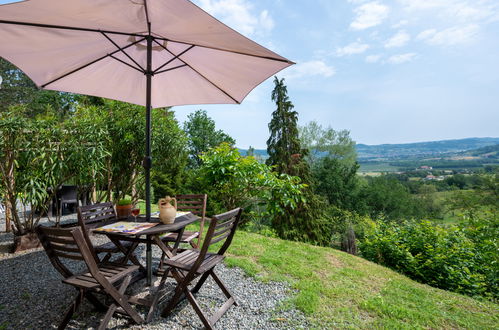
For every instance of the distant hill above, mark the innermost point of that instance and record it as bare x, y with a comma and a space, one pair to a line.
419, 149
415, 150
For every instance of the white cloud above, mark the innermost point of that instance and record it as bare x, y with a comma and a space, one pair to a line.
451, 36
369, 14
400, 24
373, 58
353, 48
426, 34
401, 58
464, 11
239, 14
400, 39
310, 68
266, 21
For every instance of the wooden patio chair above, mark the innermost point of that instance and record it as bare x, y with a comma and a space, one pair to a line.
192, 263
109, 279
97, 215
187, 203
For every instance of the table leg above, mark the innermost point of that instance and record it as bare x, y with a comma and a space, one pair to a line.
177, 242
149, 260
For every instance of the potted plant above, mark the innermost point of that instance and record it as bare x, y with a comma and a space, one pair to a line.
124, 208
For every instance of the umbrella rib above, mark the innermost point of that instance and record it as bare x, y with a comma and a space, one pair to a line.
88, 64
171, 60
170, 69
119, 60
121, 49
201, 75
73, 28
229, 51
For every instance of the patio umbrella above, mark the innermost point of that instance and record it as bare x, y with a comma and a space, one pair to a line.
154, 53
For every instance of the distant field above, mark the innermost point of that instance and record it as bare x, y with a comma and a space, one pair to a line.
378, 167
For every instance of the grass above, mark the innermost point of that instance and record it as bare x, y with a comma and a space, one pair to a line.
337, 290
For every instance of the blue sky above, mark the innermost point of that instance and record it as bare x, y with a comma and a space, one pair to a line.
388, 71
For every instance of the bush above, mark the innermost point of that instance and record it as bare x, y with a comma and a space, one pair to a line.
232, 180
460, 259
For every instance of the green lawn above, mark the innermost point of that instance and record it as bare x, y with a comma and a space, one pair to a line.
337, 290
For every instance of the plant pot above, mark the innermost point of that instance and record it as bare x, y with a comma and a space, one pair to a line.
26, 242
123, 211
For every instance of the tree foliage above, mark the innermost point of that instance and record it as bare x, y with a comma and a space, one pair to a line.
203, 135
37, 156
125, 140
236, 181
327, 142
18, 89
337, 181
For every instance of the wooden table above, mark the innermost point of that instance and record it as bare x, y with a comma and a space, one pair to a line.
151, 236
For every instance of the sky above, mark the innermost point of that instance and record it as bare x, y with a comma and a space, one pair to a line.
394, 71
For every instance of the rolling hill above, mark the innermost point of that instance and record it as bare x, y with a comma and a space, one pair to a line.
412, 150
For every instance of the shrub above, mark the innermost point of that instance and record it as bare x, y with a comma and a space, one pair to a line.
235, 181
460, 259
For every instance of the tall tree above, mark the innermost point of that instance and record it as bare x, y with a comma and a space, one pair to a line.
325, 141
283, 146
203, 135
306, 221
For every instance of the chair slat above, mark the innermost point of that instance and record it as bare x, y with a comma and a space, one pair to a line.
220, 238
67, 255
224, 224
223, 230
62, 240
66, 248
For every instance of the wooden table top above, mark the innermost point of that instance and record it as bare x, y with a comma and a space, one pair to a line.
180, 222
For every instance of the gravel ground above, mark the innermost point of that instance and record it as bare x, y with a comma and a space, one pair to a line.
33, 297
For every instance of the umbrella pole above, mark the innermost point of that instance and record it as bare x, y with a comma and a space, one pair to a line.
147, 160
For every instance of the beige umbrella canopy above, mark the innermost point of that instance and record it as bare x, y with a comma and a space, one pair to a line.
154, 53
99, 47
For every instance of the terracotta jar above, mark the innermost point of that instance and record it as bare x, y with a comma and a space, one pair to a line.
167, 211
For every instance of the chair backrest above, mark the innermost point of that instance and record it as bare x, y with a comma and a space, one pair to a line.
62, 243
222, 228
67, 193
195, 203
92, 216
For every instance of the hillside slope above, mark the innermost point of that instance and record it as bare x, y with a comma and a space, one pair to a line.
338, 290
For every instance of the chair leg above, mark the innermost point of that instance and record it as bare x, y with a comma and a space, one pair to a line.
222, 286
157, 295
106, 257
123, 303
177, 296
162, 261
113, 306
208, 325
200, 282
74, 306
